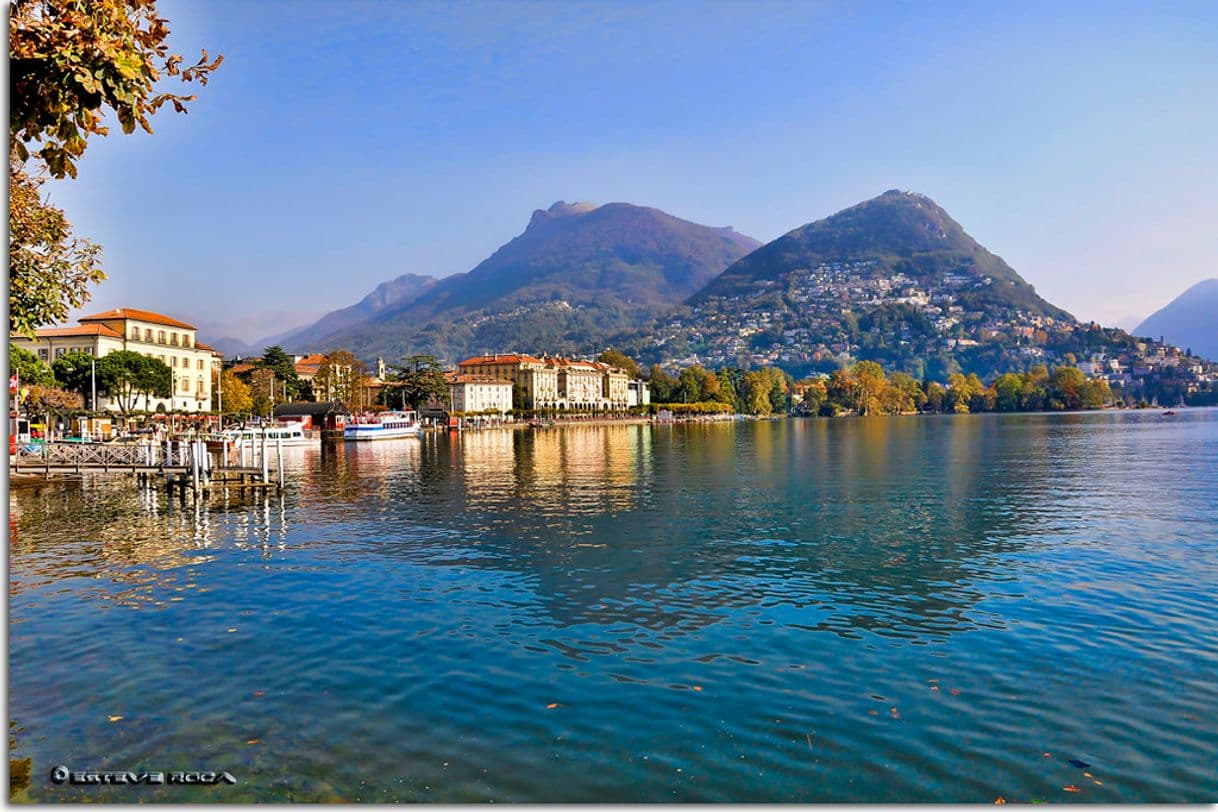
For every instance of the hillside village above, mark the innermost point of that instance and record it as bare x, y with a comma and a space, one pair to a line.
197, 378
837, 313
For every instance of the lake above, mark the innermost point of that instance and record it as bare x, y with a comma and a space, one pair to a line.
950, 609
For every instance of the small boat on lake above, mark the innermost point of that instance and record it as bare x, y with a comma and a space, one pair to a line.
288, 434
1169, 413
383, 426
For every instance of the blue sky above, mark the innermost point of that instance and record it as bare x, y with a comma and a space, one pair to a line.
344, 143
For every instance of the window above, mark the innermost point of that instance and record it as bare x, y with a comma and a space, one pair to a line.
42, 355
173, 339
186, 384
186, 340
135, 334
173, 361
160, 336
148, 335
59, 351
199, 387
200, 363
185, 362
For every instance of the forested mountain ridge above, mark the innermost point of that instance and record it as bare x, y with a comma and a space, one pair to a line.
577, 274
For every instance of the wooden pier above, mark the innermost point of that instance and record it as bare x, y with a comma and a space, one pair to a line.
179, 466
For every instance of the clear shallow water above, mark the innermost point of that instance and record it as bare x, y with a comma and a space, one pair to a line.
902, 609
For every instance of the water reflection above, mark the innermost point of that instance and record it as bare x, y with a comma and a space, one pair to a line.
878, 526
869, 526
580, 614
133, 536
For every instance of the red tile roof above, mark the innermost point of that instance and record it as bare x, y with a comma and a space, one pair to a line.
514, 358
458, 378
579, 366
310, 364
139, 315
81, 330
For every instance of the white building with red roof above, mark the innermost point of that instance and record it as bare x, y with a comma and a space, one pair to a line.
478, 394
557, 383
538, 379
155, 335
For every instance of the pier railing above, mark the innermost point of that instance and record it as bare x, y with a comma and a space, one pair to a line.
184, 463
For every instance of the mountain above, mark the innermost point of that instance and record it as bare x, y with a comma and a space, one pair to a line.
231, 347
1188, 321
894, 279
397, 292
577, 274
236, 348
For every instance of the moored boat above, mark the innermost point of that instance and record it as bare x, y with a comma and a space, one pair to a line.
287, 434
383, 426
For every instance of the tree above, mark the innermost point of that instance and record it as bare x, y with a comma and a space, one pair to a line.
235, 395
72, 62
261, 405
727, 389
813, 399
1066, 386
28, 367
1035, 395
757, 393
50, 270
52, 402
416, 380
870, 384
708, 383
840, 389
622, 361
905, 393
1096, 393
1008, 392
981, 399
74, 372
262, 382
780, 389
961, 392
662, 385
935, 396
279, 362
341, 377
689, 386
124, 376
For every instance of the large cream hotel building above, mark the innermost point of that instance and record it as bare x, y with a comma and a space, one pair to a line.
152, 334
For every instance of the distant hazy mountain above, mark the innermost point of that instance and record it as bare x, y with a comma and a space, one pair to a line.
577, 274
235, 347
894, 279
392, 294
231, 347
251, 332
1188, 321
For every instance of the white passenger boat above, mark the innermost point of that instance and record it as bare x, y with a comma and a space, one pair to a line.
289, 434
383, 426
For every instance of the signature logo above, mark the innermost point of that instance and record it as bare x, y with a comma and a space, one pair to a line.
62, 775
